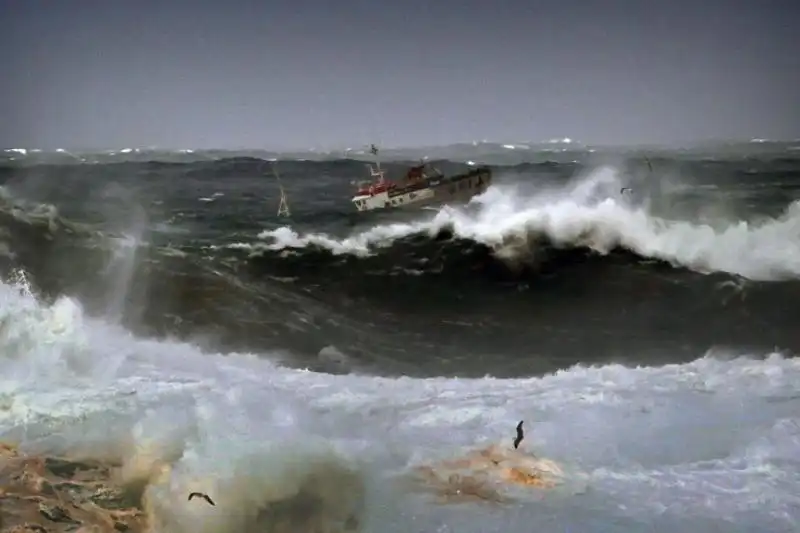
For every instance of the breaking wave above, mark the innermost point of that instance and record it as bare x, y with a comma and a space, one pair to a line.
525, 231
707, 445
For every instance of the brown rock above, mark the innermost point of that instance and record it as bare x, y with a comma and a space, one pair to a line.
42, 494
485, 475
26, 528
54, 513
64, 469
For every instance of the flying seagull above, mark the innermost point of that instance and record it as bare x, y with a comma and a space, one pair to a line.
520, 435
201, 495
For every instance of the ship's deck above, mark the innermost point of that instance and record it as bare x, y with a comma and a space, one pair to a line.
438, 181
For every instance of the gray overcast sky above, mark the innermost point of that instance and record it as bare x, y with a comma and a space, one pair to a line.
280, 74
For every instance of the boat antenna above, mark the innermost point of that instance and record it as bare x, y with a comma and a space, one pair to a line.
283, 206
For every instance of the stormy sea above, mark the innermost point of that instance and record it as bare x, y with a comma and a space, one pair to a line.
638, 309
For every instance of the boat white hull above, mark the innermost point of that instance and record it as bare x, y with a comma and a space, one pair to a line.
447, 191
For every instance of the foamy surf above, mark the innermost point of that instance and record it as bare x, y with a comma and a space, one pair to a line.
711, 445
589, 212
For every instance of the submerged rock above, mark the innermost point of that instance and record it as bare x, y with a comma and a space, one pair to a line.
494, 474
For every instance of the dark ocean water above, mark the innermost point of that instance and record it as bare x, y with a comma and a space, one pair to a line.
155, 310
552, 267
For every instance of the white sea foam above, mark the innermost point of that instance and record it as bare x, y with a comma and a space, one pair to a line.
590, 212
712, 445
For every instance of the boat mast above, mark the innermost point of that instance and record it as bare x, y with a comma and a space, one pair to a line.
283, 206
377, 170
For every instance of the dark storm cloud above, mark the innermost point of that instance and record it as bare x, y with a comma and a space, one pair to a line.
301, 74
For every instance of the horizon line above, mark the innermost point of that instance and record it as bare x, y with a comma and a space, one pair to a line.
357, 147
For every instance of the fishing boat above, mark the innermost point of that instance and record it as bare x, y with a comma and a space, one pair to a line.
421, 186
